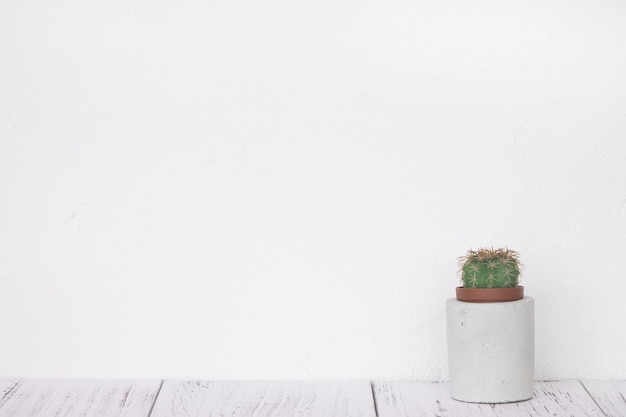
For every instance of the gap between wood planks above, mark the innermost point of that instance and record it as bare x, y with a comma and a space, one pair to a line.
155, 398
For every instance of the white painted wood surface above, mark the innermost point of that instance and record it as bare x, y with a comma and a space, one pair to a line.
261, 399
92, 398
7, 389
609, 395
415, 399
84, 398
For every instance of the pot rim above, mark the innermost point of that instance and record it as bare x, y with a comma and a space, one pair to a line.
489, 295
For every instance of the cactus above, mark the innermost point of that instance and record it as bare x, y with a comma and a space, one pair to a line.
490, 268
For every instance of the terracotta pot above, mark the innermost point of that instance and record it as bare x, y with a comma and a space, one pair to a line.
489, 295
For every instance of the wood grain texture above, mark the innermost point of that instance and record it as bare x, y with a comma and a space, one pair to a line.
8, 387
84, 398
413, 399
264, 399
609, 395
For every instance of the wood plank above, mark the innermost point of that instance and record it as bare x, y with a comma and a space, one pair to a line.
264, 399
7, 389
609, 395
84, 398
413, 399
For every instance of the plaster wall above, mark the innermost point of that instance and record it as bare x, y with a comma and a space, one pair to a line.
280, 189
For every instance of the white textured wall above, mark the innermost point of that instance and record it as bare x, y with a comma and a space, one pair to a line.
280, 189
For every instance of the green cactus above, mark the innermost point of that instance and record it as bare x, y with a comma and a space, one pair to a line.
490, 268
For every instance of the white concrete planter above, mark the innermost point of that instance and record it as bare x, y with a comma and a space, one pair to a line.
491, 350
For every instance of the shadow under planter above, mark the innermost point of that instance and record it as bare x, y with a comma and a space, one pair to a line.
491, 350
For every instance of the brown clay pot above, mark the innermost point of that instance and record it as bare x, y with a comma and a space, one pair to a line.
489, 295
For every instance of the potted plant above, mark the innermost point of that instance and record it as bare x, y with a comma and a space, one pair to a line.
490, 330
490, 275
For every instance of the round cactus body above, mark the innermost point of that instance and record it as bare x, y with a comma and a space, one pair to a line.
490, 268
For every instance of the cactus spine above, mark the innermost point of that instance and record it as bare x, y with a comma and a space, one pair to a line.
490, 268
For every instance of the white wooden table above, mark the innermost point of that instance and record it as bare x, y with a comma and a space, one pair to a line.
156, 398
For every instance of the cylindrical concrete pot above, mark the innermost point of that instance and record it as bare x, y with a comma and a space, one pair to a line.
491, 350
